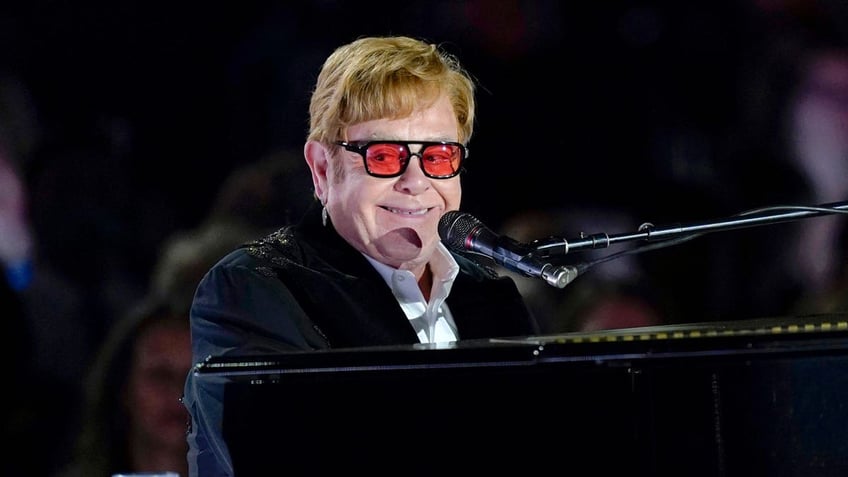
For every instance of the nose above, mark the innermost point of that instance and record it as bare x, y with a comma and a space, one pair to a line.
413, 180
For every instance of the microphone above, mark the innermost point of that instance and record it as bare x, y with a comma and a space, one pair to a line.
460, 231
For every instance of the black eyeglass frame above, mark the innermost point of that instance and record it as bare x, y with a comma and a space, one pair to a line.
362, 149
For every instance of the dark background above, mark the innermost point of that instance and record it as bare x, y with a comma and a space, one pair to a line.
130, 116
144, 108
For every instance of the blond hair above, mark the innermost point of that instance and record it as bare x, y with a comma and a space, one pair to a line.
387, 77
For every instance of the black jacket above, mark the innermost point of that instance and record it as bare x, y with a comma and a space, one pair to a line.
304, 288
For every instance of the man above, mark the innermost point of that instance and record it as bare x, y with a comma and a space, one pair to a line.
390, 118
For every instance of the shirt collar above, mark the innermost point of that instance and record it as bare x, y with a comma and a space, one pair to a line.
442, 265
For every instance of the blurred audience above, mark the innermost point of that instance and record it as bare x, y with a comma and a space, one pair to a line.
25, 403
612, 294
819, 139
266, 194
186, 255
48, 345
254, 200
613, 305
834, 297
52, 304
133, 420
792, 132
94, 223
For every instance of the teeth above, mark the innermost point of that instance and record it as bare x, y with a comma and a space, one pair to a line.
406, 212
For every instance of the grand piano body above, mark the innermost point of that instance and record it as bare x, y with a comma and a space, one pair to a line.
747, 398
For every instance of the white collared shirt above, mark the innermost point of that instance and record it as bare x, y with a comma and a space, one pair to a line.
432, 321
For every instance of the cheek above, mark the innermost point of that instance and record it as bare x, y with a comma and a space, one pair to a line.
141, 400
357, 190
150, 391
451, 192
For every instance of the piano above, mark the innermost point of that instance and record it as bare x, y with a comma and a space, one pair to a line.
764, 397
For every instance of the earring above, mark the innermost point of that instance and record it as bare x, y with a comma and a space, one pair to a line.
324, 216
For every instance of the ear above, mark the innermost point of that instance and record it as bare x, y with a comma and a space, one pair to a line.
318, 157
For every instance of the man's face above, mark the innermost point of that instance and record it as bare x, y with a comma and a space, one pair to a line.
394, 220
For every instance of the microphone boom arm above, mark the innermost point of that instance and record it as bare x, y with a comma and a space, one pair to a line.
649, 232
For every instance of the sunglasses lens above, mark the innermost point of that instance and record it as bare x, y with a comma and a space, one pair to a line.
442, 160
386, 159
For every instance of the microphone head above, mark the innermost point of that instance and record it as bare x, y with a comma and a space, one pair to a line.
455, 228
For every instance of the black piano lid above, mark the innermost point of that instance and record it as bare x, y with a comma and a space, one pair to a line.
823, 334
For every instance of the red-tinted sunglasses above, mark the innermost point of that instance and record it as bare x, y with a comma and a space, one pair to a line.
439, 159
